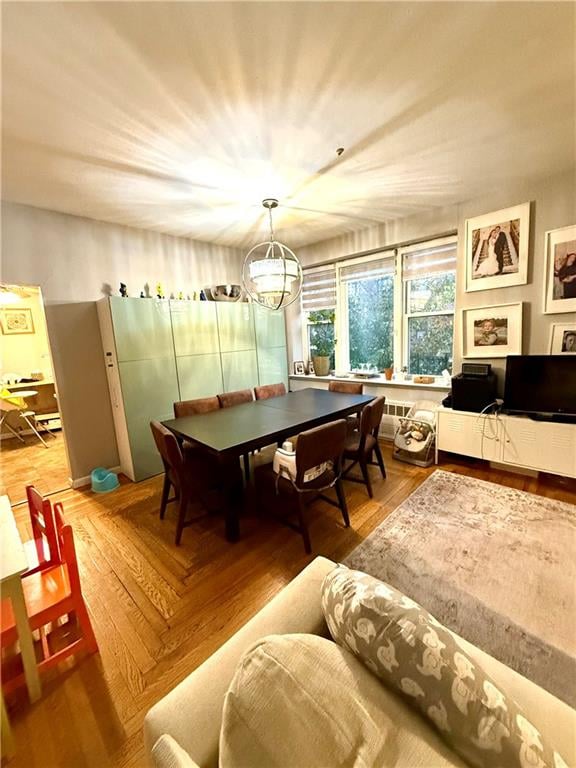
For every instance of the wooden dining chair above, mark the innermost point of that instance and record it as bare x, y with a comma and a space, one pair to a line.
50, 595
362, 444
318, 446
266, 391
191, 474
42, 549
193, 407
348, 388
239, 396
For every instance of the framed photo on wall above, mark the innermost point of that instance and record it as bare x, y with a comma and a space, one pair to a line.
16, 321
563, 339
496, 249
494, 331
560, 276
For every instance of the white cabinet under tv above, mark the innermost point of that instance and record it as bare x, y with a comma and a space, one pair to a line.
517, 441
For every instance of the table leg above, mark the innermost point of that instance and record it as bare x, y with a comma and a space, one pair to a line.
6, 738
16, 594
246, 462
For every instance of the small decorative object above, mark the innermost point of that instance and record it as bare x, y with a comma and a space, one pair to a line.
272, 275
423, 379
123, 290
203, 296
299, 368
494, 331
497, 249
147, 291
194, 296
188, 296
388, 372
106, 289
180, 296
563, 339
159, 291
311, 369
16, 321
560, 278
142, 296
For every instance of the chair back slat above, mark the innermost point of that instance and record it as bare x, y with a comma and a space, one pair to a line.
193, 407
168, 447
65, 536
318, 445
346, 387
43, 528
266, 391
239, 396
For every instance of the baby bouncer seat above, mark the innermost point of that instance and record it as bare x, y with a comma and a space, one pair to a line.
415, 438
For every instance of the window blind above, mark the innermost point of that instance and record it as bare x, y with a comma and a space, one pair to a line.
368, 270
319, 289
429, 261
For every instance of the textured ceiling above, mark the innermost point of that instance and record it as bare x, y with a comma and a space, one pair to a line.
181, 117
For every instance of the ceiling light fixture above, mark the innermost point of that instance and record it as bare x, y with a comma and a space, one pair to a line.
272, 274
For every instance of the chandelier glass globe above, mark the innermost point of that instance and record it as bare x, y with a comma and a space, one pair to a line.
272, 274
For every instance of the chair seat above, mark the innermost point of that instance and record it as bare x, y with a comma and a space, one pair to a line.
43, 591
352, 445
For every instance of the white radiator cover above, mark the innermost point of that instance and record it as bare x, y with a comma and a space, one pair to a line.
394, 410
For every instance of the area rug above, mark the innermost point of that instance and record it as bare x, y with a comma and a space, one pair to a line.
494, 564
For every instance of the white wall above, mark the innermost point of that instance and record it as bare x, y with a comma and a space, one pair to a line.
553, 205
70, 258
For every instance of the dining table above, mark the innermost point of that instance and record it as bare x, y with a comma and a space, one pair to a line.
244, 428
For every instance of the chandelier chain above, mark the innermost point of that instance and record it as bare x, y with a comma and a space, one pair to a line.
271, 227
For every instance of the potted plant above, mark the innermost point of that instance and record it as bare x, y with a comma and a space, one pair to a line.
386, 364
323, 349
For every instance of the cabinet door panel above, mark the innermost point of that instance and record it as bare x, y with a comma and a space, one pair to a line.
142, 328
149, 390
540, 445
195, 327
272, 366
199, 376
469, 435
270, 327
239, 370
235, 326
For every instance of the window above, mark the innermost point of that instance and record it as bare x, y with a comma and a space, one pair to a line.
367, 301
319, 308
394, 307
429, 278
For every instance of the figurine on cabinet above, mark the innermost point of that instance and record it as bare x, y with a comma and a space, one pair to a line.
123, 290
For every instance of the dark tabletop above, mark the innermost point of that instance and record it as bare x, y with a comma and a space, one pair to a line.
251, 425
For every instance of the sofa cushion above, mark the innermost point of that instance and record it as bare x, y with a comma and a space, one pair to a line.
413, 653
167, 753
298, 701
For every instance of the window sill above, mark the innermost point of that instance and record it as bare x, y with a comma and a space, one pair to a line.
379, 381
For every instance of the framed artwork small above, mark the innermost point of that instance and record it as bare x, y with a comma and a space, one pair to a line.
299, 369
311, 369
560, 275
15, 321
494, 331
496, 246
563, 339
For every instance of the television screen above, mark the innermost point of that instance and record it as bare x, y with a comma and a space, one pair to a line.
540, 384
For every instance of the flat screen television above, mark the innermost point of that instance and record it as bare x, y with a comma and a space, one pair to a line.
541, 385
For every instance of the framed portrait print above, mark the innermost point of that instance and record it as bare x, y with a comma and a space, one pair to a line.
560, 277
496, 249
311, 369
16, 321
563, 339
299, 368
494, 331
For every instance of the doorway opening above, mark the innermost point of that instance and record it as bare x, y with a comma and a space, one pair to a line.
32, 444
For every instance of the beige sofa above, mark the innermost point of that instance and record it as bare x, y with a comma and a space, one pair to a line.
192, 712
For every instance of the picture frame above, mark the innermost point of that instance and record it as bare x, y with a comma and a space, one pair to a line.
299, 369
311, 369
497, 249
560, 266
563, 339
16, 321
493, 331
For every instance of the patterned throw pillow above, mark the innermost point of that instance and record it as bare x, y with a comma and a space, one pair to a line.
412, 652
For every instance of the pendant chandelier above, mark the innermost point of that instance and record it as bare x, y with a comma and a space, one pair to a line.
272, 274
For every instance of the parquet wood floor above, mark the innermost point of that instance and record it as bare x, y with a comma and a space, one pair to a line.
33, 464
160, 610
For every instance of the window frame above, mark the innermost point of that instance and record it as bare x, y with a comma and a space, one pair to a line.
401, 313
